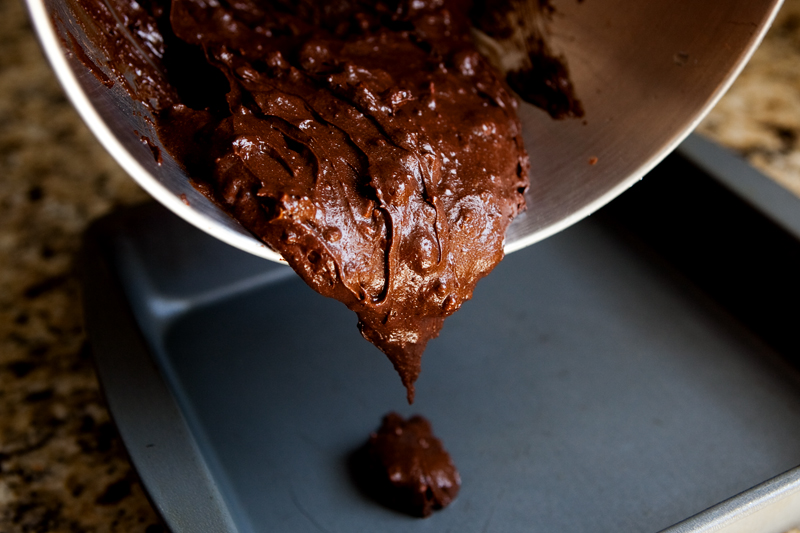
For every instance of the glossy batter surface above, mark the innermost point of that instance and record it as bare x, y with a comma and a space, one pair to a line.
370, 144
374, 148
411, 469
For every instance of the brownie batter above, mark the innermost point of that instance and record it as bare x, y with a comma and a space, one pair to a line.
412, 472
372, 147
369, 143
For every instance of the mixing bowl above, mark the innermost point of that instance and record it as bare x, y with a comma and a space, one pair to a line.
646, 71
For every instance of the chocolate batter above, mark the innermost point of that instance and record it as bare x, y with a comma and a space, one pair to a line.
369, 143
374, 148
411, 471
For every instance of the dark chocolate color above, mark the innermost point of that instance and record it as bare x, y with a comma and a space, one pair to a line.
409, 469
128, 49
369, 143
374, 148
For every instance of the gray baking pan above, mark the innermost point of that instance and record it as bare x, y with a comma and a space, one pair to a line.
632, 373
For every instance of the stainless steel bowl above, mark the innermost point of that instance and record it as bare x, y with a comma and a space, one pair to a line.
647, 72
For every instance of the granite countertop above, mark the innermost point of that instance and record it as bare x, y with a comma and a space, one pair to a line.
62, 465
759, 117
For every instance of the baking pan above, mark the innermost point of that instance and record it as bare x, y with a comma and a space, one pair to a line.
635, 372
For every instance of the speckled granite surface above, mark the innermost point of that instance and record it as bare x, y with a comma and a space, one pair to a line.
62, 466
760, 115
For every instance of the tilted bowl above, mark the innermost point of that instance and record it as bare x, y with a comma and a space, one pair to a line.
646, 72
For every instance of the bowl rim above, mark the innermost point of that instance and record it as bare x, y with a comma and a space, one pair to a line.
57, 56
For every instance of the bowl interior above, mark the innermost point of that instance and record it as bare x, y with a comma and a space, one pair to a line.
646, 72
